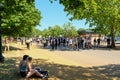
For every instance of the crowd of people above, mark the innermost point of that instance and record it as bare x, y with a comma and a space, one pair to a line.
74, 43
71, 43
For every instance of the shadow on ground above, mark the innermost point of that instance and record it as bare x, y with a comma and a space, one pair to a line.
61, 48
8, 71
112, 70
13, 48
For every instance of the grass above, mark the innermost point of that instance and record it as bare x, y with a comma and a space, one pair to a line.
9, 69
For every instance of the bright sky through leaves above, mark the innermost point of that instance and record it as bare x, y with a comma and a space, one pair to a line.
53, 14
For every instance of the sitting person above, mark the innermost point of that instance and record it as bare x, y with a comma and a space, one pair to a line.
31, 71
23, 66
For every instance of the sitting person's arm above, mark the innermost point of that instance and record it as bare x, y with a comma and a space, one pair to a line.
29, 67
30, 70
20, 66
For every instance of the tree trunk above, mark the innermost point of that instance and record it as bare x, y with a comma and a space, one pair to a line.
112, 37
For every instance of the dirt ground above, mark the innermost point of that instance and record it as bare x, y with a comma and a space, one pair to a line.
85, 58
98, 64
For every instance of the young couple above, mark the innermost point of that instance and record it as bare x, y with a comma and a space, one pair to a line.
25, 68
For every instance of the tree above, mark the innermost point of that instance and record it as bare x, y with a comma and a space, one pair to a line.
69, 30
56, 31
19, 17
81, 31
46, 33
37, 32
104, 14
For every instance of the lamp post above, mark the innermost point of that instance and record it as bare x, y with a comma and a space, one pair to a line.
1, 56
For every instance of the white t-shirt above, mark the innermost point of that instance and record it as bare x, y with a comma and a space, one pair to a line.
70, 41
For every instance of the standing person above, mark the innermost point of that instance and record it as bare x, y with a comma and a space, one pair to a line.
64, 41
67, 41
76, 43
95, 42
28, 44
70, 43
108, 42
84, 42
31, 41
89, 43
22, 41
98, 42
52, 43
44, 42
6, 44
38, 41
73, 43
56, 43
47, 41
79, 42
59, 41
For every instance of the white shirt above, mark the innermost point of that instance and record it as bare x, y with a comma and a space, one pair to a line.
70, 41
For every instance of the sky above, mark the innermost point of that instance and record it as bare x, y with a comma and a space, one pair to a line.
53, 14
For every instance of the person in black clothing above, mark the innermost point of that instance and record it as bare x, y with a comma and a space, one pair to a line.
108, 42
28, 44
55, 43
59, 42
52, 43
79, 42
98, 42
64, 41
95, 41
82, 42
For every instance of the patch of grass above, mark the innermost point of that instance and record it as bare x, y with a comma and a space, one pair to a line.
8, 71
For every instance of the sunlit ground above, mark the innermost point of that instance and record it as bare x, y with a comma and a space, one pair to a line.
63, 65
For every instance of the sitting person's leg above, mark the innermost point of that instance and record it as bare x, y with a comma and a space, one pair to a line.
30, 73
34, 72
38, 74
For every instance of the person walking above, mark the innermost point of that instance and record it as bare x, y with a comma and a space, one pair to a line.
6, 44
28, 44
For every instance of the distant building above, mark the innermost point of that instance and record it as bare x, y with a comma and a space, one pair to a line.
91, 34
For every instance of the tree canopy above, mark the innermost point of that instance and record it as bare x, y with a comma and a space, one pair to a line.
104, 14
69, 30
66, 30
19, 17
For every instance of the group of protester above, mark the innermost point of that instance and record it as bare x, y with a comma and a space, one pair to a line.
75, 43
